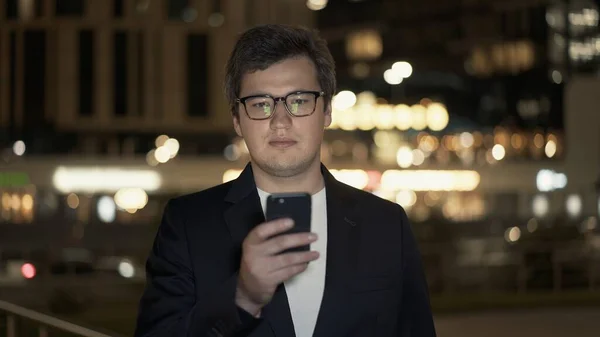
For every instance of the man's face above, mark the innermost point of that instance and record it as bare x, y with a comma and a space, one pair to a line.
283, 145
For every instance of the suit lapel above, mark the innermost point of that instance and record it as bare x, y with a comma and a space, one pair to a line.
243, 215
246, 211
278, 314
343, 232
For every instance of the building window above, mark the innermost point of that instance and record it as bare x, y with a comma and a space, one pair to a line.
69, 7
39, 5
176, 9
11, 9
141, 78
86, 72
120, 73
118, 8
197, 79
34, 100
23, 9
12, 79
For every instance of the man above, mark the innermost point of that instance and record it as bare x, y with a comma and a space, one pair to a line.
214, 269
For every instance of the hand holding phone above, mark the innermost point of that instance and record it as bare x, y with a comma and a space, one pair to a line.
263, 265
295, 206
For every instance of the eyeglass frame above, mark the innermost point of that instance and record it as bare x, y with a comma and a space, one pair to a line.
283, 99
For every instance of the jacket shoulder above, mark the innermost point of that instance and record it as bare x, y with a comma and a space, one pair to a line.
370, 201
208, 196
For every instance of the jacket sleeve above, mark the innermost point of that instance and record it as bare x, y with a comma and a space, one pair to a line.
170, 305
415, 316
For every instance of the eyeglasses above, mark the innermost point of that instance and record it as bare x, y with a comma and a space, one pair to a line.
297, 104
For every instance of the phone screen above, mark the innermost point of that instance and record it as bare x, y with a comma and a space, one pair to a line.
297, 206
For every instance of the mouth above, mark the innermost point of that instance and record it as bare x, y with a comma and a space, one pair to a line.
282, 143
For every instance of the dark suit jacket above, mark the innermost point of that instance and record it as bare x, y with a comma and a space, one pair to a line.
374, 285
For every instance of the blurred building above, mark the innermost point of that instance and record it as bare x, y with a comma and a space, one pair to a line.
486, 59
105, 76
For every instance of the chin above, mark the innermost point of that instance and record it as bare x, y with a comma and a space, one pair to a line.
284, 166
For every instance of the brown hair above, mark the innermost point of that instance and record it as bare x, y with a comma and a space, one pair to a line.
262, 46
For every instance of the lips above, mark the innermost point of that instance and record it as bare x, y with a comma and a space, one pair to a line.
282, 143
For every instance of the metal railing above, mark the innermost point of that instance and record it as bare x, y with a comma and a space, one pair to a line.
531, 268
41, 322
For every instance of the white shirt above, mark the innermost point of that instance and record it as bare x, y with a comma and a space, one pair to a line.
305, 290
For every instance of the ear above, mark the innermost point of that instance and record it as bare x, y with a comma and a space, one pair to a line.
327, 119
237, 126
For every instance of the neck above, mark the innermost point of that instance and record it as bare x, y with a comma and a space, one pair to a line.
310, 181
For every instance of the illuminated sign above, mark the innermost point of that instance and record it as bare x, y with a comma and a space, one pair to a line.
13, 179
548, 180
430, 180
105, 179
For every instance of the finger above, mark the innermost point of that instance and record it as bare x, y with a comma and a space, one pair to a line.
265, 230
285, 274
287, 241
287, 260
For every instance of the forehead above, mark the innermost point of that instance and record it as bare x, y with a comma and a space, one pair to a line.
289, 75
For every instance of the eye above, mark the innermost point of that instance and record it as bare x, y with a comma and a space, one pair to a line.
260, 105
299, 101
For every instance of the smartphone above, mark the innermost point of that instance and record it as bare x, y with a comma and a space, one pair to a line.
296, 206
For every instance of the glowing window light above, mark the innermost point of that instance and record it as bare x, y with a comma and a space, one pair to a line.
365, 44
355, 178
418, 157
6, 201
540, 206
402, 69
16, 202
92, 180
73, 200
364, 118
548, 180
574, 205
550, 148
131, 198
172, 145
161, 140
107, 210
126, 269
346, 119
404, 118
316, 5
406, 199
344, 100
430, 180
162, 154
385, 117
27, 202
28, 271
437, 117
404, 157
419, 117
466, 140
392, 77
498, 152
512, 234
19, 148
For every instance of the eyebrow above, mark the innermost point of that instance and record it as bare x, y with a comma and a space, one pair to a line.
262, 93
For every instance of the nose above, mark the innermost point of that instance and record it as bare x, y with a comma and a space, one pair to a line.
281, 119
